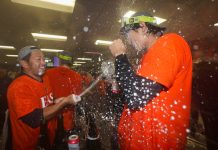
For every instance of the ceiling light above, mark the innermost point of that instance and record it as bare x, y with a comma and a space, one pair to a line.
102, 42
216, 24
129, 14
94, 53
51, 50
7, 47
79, 62
84, 59
159, 20
59, 5
11, 55
49, 37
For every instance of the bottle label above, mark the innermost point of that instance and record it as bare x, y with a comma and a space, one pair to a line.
73, 139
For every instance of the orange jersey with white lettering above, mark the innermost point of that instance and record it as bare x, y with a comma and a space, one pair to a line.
163, 122
26, 94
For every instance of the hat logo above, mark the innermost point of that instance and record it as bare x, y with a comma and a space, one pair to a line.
131, 20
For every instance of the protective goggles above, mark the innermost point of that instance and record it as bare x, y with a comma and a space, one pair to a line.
64, 57
133, 23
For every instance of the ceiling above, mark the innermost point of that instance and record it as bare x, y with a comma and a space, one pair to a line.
98, 19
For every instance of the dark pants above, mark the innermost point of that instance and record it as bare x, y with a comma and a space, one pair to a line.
211, 130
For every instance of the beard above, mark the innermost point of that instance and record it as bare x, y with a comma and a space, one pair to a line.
41, 71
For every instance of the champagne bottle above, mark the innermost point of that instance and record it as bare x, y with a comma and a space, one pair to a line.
93, 140
60, 142
43, 140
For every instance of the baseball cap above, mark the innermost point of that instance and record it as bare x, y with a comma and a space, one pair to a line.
133, 22
26, 51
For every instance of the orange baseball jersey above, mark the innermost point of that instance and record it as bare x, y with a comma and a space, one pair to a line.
64, 82
164, 121
26, 94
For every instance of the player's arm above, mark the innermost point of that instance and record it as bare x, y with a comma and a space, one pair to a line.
138, 91
34, 118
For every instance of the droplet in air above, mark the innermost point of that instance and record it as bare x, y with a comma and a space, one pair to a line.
85, 29
172, 118
184, 106
187, 130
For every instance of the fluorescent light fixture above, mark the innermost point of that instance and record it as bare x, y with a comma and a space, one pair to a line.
102, 42
7, 47
94, 53
160, 20
58, 5
51, 50
216, 24
129, 14
79, 62
84, 59
8, 55
49, 37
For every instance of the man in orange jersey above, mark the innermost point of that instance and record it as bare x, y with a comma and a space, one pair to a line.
30, 101
65, 81
157, 96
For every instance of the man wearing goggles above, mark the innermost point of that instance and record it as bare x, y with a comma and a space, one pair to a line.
158, 95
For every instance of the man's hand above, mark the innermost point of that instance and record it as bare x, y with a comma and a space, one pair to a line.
69, 100
73, 99
117, 47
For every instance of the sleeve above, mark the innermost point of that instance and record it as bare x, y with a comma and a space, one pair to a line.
160, 64
34, 118
23, 101
138, 91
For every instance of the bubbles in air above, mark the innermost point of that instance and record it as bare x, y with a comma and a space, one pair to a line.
74, 37
195, 47
184, 106
107, 68
85, 29
172, 118
187, 130
88, 19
